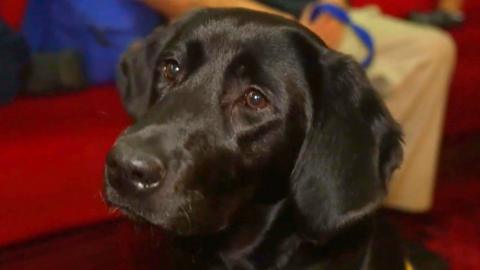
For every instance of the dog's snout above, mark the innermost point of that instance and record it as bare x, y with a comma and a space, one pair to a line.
129, 170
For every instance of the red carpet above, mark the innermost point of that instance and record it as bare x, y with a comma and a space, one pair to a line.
452, 228
463, 115
51, 159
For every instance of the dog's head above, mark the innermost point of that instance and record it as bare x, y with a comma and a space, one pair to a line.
235, 108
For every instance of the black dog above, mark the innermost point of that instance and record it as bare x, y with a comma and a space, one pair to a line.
256, 145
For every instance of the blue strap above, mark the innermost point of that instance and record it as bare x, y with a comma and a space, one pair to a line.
343, 17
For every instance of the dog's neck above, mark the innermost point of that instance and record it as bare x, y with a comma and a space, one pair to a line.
260, 234
268, 238
265, 237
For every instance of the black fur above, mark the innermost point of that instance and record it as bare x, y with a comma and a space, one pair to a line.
291, 185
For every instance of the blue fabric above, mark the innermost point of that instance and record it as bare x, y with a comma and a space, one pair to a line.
99, 29
343, 17
14, 57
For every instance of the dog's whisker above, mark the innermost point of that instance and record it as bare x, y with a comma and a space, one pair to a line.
113, 210
187, 216
102, 197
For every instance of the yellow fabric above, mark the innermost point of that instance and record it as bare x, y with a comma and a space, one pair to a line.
408, 265
411, 71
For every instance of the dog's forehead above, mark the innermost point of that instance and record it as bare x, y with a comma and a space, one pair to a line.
235, 27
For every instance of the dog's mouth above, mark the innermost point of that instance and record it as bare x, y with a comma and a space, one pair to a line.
133, 215
183, 220
125, 209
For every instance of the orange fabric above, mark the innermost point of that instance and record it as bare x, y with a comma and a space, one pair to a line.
408, 266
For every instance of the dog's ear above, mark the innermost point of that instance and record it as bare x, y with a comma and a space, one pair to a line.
352, 144
137, 71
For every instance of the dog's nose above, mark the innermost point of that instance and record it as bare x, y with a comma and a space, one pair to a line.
128, 169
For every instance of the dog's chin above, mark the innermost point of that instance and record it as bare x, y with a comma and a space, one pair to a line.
137, 218
180, 223
179, 226
185, 227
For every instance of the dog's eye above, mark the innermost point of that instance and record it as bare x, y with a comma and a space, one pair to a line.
255, 99
171, 70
